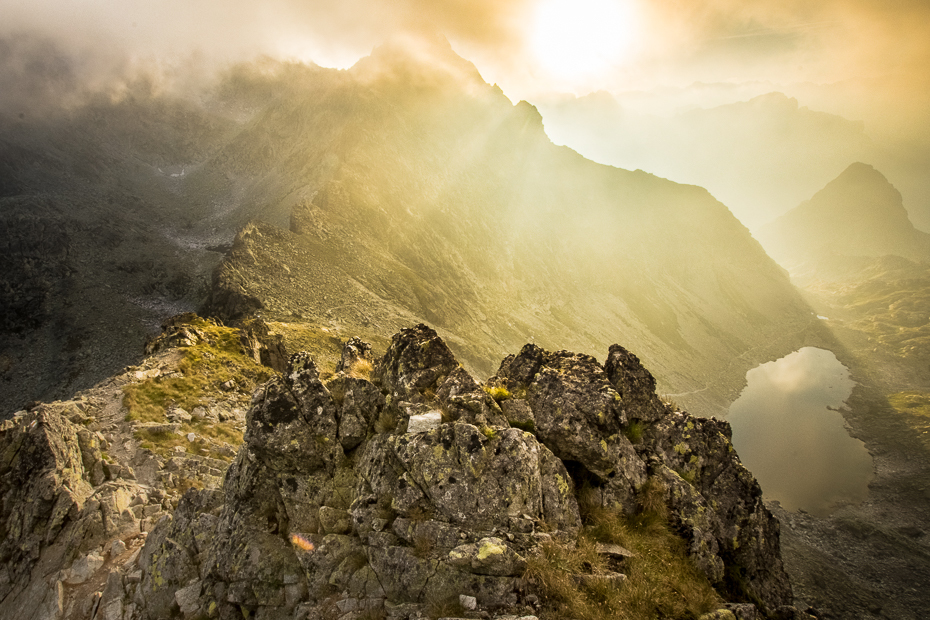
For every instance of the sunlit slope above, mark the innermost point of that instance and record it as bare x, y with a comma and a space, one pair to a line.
760, 157
415, 191
858, 214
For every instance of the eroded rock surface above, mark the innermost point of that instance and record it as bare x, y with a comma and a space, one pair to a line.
337, 505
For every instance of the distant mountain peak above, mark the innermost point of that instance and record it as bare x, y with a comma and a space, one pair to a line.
859, 213
775, 98
864, 191
858, 171
429, 55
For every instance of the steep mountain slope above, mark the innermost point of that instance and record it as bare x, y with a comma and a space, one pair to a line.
403, 190
759, 157
444, 202
93, 251
858, 214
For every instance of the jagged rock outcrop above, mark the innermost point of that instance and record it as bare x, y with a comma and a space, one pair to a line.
613, 432
391, 520
62, 505
392, 496
399, 519
263, 345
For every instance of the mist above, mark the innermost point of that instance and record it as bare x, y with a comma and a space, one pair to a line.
862, 61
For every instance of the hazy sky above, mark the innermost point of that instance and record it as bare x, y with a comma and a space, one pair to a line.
867, 60
528, 46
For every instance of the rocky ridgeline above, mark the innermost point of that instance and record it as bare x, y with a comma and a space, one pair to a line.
380, 497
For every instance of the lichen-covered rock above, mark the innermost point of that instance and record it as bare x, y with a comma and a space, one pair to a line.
635, 384
467, 478
744, 532
583, 412
488, 556
359, 405
43, 485
579, 416
175, 552
54, 522
462, 399
519, 414
262, 345
415, 365
330, 508
292, 423
354, 351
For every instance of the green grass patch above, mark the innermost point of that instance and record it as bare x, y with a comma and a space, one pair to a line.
204, 367
662, 582
326, 346
165, 443
634, 431
498, 393
524, 425
915, 408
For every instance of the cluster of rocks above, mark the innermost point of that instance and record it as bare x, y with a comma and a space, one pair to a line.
66, 512
398, 494
393, 497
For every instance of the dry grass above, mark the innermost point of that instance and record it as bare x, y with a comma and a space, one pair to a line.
386, 422
361, 369
447, 606
422, 546
204, 368
661, 581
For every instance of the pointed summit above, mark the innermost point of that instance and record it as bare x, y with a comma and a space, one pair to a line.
422, 58
860, 213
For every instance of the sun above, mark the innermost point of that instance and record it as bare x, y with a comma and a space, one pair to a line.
580, 38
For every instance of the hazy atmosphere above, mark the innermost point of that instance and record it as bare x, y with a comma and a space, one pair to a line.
551, 309
865, 61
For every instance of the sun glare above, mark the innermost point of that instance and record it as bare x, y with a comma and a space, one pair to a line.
581, 38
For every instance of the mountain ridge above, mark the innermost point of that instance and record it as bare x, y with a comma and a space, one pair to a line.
432, 195
395, 486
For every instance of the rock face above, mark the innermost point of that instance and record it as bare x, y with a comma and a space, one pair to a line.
607, 424
314, 519
63, 507
389, 497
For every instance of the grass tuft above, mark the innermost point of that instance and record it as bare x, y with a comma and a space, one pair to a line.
386, 422
360, 369
498, 393
445, 606
634, 431
662, 582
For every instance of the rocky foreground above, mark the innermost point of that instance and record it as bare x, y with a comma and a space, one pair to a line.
395, 484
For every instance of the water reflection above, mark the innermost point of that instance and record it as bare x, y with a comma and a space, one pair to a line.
797, 448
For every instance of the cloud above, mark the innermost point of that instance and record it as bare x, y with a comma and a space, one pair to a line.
793, 40
680, 41
334, 29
